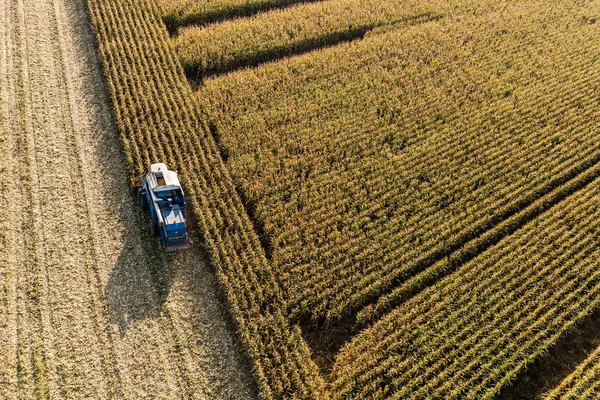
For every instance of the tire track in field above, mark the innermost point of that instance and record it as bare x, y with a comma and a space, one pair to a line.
97, 307
56, 220
34, 346
8, 233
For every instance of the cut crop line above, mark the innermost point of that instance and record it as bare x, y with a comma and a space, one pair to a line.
14, 75
184, 361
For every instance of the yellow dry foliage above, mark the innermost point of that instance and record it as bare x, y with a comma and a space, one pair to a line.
369, 162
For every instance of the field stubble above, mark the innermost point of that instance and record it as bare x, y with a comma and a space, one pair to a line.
91, 307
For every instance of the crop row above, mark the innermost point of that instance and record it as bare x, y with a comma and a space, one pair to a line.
237, 43
473, 332
583, 383
581, 177
188, 12
158, 121
371, 161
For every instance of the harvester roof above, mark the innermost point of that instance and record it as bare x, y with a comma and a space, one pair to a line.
161, 177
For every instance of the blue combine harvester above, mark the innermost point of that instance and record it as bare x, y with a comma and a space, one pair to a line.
160, 193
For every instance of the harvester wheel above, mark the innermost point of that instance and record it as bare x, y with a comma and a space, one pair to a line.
141, 199
153, 230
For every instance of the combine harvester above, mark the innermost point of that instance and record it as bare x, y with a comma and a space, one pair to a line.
160, 193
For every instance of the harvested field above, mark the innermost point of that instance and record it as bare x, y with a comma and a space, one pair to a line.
90, 307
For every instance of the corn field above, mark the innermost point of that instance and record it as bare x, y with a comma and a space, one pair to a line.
470, 334
356, 200
424, 172
229, 45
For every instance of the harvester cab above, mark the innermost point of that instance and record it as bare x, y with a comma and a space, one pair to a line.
160, 193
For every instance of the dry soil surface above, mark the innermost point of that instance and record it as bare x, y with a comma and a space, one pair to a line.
90, 307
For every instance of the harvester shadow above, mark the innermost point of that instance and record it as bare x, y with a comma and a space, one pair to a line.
141, 279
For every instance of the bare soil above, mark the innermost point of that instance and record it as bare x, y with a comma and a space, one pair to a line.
90, 306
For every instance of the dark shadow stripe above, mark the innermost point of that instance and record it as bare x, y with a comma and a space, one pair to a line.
549, 370
196, 74
255, 59
173, 21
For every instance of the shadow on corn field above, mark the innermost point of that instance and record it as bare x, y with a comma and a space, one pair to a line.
254, 59
196, 74
326, 341
173, 21
549, 370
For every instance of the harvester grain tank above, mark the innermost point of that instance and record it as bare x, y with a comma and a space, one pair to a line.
160, 193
